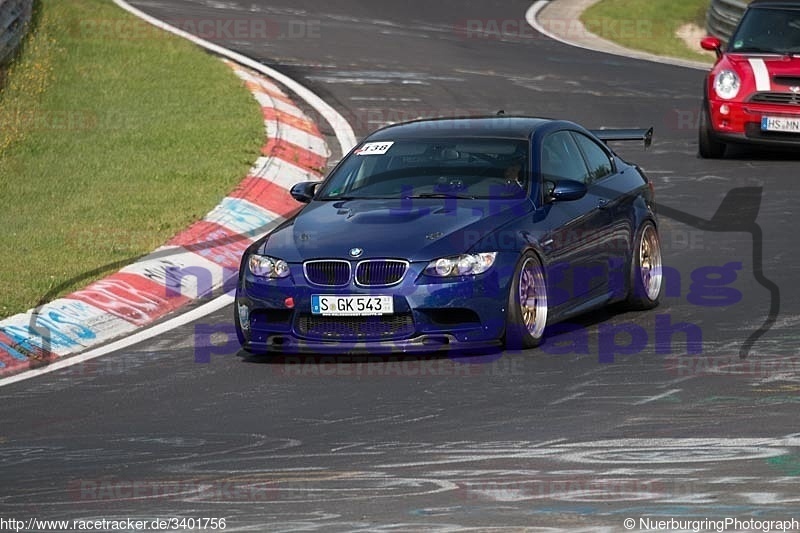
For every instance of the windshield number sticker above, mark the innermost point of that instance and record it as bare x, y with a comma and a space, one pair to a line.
375, 148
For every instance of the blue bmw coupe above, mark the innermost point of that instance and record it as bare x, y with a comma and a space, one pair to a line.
454, 234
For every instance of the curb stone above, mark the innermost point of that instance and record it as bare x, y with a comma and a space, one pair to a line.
198, 263
560, 20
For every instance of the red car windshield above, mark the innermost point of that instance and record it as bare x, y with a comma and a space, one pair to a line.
768, 30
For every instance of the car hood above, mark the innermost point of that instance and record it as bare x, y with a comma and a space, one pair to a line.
776, 65
418, 231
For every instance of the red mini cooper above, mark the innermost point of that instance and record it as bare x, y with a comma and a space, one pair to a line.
752, 95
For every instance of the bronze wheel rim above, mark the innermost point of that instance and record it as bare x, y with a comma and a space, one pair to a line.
650, 263
533, 297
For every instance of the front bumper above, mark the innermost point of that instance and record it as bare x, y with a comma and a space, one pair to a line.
742, 123
430, 314
289, 344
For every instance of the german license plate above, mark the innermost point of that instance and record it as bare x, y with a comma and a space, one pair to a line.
790, 125
351, 305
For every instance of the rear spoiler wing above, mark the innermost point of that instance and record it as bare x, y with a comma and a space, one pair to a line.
614, 135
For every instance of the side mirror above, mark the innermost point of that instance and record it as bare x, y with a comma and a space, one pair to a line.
568, 191
303, 192
712, 44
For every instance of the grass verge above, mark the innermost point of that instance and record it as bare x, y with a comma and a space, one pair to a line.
113, 137
647, 25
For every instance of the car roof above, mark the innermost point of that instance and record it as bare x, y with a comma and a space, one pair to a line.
498, 126
775, 3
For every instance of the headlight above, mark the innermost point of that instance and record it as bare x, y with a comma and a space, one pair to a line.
727, 84
264, 266
461, 265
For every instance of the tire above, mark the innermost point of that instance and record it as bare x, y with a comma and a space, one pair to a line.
236, 321
526, 314
708, 145
645, 284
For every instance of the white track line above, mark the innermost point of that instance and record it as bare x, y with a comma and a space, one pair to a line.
568, 398
532, 17
344, 135
657, 397
143, 335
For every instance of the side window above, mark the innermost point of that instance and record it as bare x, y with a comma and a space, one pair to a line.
597, 159
561, 158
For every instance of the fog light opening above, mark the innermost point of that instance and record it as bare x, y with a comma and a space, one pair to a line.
244, 317
436, 340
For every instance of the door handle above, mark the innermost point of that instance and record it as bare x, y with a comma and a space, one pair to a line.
603, 204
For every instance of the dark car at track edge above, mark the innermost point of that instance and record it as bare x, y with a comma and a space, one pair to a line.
454, 234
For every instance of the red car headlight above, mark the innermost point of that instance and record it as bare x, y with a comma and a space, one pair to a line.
727, 84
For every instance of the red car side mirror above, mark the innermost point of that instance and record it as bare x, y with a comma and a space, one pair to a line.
713, 44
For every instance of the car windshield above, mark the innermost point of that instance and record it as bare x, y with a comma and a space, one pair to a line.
435, 168
768, 31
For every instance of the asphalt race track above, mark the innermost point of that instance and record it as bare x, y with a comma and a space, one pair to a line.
537, 439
